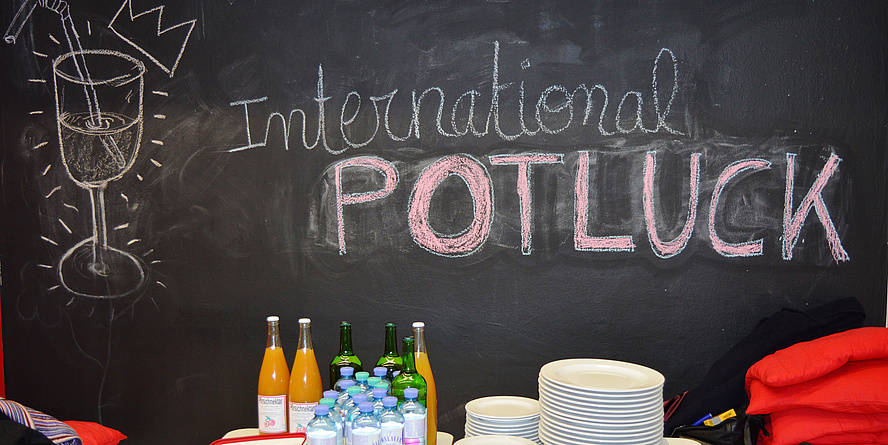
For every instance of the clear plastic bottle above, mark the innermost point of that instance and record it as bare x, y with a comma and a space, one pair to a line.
371, 382
391, 422
414, 418
352, 412
362, 379
381, 372
366, 429
348, 374
378, 395
321, 430
344, 396
337, 419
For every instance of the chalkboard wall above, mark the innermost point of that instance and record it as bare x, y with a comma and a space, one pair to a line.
634, 180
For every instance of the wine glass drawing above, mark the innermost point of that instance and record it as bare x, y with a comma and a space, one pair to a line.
98, 95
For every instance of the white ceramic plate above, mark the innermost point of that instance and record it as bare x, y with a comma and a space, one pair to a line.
602, 375
503, 407
565, 399
553, 386
494, 440
679, 441
606, 424
521, 433
554, 435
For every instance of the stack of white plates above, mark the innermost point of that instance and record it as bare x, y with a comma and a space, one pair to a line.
600, 402
503, 416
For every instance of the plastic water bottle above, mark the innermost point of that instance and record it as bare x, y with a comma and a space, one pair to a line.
343, 397
378, 395
349, 403
414, 418
381, 372
366, 429
361, 378
372, 382
321, 430
352, 413
337, 419
347, 375
391, 422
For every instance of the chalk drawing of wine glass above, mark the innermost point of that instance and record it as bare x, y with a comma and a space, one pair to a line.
98, 95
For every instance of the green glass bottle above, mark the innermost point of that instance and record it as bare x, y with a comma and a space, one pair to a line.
390, 359
409, 377
346, 356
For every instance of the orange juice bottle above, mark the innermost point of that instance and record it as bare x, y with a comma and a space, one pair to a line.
425, 370
273, 380
306, 388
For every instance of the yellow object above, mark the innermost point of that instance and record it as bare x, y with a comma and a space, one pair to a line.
720, 418
424, 368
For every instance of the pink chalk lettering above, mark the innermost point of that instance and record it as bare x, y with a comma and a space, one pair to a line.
523, 162
747, 249
792, 224
582, 240
480, 187
669, 248
385, 168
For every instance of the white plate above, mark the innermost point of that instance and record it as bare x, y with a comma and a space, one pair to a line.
548, 434
602, 375
522, 433
575, 410
680, 441
502, 422
494, 440
605, 424
566, 399
503, 407
546, 384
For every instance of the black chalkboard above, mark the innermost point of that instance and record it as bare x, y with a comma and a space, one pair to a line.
535, 180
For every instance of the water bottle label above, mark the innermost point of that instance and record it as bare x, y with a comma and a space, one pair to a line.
273, 414
322, 438
300, 415
392, 435
359, 438
414, 426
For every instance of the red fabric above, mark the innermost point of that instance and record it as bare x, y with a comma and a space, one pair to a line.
829, 391
809, 360
95, 434
858, 387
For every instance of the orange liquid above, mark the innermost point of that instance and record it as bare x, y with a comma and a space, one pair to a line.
274, 377
305, 379
425, 370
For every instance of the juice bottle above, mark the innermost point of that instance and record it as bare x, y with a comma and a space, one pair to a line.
346, 356
425, 370
274, 377
306, 388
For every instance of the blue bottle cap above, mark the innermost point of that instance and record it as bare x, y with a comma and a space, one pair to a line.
359, 398
347, 371
390, 401
362, 376
379, 371
379, 393
322, 410
331, 394
411, 393
365, 407
346, 384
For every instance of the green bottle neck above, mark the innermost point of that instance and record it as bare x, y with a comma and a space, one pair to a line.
345, 339
409, 361
391, 340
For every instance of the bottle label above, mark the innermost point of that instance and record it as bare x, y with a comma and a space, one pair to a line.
300, 415
322, 438
272, 414
392, 435
414, 426
365, 438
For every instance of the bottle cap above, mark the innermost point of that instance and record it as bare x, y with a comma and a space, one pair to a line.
322, 410
347, 371
359, 397
418, 324
346, 384
390, 401
382, 385
344, 323
411, 393
331, 394
273, 319
362, 376
304, 320
373, 381
354, 389
327, 401
380, 371
379, 393
365, 407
